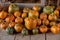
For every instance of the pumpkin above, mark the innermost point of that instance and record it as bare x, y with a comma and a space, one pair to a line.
43, 28
46, 21
19, 20
58, 8
3, 26
35, 31
39, 22
3, 14
10, 18
48, 9
13, 7
12, 24
43, 16
10, 30
18, 27
30, 23
56, 12
54, 29
24, 15
17, 14
1, 20
52, 17
36, 8
33, 14
58, 25
52, 23
26, 10
24, 32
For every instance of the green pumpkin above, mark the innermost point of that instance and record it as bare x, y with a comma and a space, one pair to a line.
48, 9
35, 31
12, 8
24, 32
10, 30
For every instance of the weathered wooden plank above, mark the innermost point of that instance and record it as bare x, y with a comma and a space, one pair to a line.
38, 37
50, 36
20, 37
5, 36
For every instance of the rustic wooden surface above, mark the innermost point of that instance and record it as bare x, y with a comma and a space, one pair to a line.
47, 36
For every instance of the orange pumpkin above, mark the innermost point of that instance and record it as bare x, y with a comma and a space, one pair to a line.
3, 26
17, 14
43, 16
33, 14
52, 23
19, 20
18, 27
12, 24
46, 21
9, 18
58, 25
24, 15
52, 17
56, 12
43, 29
3, 14
36, 8
38, 21
30, 23
54, 29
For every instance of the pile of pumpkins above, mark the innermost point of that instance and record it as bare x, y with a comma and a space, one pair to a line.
35, 20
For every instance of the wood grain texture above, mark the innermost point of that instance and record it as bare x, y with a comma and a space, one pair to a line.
5, 36
38, 37
20, 37
50, 36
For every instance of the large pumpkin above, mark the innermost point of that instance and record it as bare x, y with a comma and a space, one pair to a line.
30, 23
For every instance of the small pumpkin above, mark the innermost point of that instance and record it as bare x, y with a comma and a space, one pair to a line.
10, 30
52, 23
30, 23
19, 20
58, 8
13, 7
54, 29
39, 21
43, 16
46, 21
48, 9
24, 15
36, 8
10, 18
3, 26
26, 10
56, 12
3, 14
12, 24
43, 28
33, 14
1, 20
52, 17
18, 27
58, 25
17, 14
35, 31
24, 32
